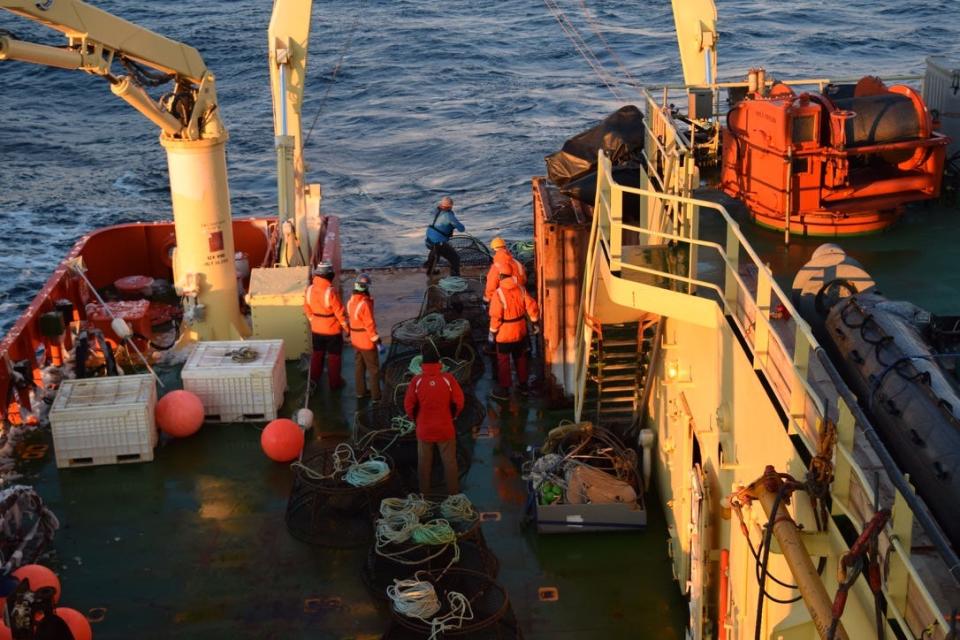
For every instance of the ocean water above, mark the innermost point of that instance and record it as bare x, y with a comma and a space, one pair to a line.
458, 98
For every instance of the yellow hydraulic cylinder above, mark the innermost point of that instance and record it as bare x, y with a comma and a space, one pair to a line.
785, 530
11, 49
204, 267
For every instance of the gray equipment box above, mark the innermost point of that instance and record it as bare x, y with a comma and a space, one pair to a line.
575, 518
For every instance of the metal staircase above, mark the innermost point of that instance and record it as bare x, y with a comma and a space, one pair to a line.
620, 358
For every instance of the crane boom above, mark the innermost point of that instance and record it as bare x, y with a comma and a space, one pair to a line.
83, 23
696, 24
298, 204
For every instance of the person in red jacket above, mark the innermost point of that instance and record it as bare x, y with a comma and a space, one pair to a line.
434, 400
365, 339
510, 306
327, 322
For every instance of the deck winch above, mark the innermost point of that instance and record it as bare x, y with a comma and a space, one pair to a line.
840, 162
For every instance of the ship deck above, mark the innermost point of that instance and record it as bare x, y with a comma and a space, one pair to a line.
194, 544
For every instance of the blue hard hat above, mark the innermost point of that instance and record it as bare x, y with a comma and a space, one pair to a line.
323, 269
363, 282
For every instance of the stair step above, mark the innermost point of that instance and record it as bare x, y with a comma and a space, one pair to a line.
618, 343
628, 366
605, 399
619, 377
631, 388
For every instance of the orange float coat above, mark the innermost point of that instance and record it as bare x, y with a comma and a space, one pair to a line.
500, 258
509, 308
363, 327
324, 309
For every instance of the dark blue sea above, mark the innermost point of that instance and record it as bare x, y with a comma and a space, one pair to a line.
432, 98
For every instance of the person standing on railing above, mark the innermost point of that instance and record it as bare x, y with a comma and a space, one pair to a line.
365, 339
438, 237
433, 401
327, 322
510, 307
501, 257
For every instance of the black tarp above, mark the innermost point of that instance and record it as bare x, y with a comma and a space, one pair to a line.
584, 188
620, 135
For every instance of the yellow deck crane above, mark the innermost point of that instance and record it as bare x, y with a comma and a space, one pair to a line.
298, 204
191, 132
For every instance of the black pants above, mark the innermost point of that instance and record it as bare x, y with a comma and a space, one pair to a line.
442, 250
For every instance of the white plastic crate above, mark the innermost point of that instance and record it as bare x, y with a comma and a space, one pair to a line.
234, 389
104, 421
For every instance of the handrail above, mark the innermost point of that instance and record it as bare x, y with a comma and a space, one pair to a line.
796, 394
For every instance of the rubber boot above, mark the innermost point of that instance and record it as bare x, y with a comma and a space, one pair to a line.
333, 371
523, 369
316, 366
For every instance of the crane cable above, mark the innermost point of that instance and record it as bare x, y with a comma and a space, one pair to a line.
595, 27
583, 48
336, 69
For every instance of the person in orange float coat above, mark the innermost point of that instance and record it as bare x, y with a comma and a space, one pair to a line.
510, 306
327, 322
434, 400
502, 256
365, 339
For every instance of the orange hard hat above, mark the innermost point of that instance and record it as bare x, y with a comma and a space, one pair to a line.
498, 243
446, 202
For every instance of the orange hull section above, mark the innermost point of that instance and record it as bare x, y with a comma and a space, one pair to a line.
110, 254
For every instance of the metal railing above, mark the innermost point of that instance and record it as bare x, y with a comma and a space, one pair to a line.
777, 340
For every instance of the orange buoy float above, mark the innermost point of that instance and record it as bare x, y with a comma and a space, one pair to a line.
282, 440
78, 623
179, 413
39, 577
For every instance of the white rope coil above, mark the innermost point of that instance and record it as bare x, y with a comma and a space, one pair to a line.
418, 599
459, 508
346, 467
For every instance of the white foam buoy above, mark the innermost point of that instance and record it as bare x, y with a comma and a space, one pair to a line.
304, 418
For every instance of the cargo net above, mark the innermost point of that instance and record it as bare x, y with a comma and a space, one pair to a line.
386, 428
580, 463
336, 492
27, 527
402, 365
420, 533
453, 603
472, 252
458, 299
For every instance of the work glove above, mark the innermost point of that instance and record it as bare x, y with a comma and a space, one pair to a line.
380, 348
536, 329
492, 339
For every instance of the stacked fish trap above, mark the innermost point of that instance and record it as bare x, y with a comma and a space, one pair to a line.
386, 428
405, 362
336, 492
452, 603
472, 252
416, 534
458, 298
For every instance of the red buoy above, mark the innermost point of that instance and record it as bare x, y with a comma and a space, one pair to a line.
282, 440
133, 287
179, 414
39, 577
5, 633
78, 623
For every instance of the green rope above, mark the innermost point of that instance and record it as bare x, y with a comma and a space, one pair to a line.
453, 284
435, 532
459, 509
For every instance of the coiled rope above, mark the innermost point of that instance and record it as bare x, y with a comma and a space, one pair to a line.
413, 503
452, 284
400, 426
418, 599
459, 509
432, 325
347, 468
